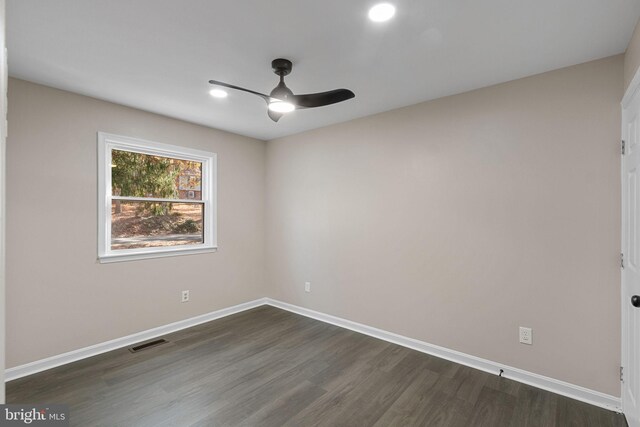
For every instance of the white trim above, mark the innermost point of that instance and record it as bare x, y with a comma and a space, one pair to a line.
106, 143
555, 386
177, 251
630, 96
83, 353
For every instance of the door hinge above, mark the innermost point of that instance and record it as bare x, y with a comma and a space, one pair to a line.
622, 261
623, 147
621, 374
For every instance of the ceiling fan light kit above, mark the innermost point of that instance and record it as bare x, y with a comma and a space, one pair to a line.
281, 106
282, 100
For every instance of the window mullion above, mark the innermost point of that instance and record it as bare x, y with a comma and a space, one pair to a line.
154, 199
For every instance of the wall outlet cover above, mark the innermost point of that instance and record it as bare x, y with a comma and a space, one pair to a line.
526, 335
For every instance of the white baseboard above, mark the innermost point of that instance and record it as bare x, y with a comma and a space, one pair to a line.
94, 350
540, 381
555, 386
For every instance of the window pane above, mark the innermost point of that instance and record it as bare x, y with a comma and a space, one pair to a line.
142, 175
145, 225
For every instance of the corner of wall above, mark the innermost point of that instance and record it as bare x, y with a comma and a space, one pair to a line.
632, 57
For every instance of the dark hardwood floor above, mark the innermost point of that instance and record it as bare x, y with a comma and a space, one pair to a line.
268, 367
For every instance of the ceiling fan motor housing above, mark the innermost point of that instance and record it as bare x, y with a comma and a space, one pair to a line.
282, 92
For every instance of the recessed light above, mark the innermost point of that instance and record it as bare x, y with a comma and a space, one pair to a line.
218, 93
382, 12
281, 106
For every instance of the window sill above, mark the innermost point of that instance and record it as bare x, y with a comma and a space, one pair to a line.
107, 259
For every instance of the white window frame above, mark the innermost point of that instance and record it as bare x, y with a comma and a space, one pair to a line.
108, 142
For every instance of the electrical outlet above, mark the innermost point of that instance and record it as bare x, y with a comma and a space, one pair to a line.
526, 336
307, 286
185, 296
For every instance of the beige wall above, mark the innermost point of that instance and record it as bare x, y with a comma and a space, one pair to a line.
456, 221
60, 298
632, 57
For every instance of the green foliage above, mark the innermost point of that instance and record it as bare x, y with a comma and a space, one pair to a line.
141, 175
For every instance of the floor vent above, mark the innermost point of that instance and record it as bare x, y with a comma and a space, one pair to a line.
147, 345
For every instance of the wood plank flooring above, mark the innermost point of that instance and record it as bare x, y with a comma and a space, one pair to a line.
268, 367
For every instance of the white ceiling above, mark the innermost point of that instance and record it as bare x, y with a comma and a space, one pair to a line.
158, 55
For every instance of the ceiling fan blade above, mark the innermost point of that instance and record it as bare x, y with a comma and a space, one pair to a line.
321, 99
262, 95
273, 115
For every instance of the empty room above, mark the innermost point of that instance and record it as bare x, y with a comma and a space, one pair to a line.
320, 213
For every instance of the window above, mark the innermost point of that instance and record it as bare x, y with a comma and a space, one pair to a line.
154, 199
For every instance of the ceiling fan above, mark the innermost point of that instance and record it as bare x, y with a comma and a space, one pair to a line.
281, 100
